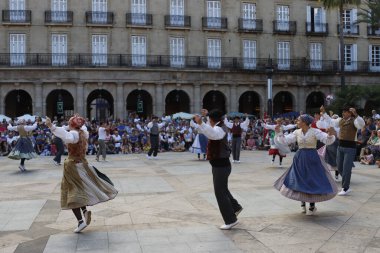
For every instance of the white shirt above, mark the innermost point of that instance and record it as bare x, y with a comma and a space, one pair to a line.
160, 125
212, 133
102, 133
243, 125
117, 140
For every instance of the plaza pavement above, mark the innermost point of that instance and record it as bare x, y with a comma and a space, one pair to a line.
167, 205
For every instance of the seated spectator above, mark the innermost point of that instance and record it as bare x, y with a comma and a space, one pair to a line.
367, 157
178, 146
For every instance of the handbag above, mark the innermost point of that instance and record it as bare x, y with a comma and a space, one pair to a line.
103, 176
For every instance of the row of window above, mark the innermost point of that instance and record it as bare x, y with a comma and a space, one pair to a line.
59, 45
315, 16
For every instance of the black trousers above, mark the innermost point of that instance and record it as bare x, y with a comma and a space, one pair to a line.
60, 149
236, 146
226, 202
153, 145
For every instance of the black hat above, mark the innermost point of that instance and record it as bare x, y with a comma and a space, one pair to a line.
237, 117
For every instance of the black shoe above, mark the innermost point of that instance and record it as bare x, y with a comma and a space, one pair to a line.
237, 212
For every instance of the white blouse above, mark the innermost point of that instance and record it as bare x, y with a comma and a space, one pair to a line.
71, 136
309, 139
26, 128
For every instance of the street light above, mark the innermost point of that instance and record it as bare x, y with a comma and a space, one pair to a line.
269, 70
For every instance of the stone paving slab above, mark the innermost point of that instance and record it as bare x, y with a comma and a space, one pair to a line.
168, 205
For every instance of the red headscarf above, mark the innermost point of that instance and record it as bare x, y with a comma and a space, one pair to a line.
76, 121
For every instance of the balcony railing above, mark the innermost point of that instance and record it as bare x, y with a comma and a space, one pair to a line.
284, 27
184, 62
99, 18
250, 25
177, 21
213, 23
139, 19
17, 16
349, 29
317, 29
58, 17
373, 31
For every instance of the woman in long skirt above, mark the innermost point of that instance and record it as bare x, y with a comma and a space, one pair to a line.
308, 179
23, 149
80, 185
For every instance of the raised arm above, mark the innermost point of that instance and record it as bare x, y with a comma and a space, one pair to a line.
324, 137
212, 133
245, 124
67, 137
12, 128
30, 128
227, 123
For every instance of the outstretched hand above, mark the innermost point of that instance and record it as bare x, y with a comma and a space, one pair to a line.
198, 119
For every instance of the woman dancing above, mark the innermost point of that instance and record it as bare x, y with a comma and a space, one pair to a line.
80, 185
23, 149
308, 179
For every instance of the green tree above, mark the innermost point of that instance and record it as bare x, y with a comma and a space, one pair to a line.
370, 14
354, 95
340, 5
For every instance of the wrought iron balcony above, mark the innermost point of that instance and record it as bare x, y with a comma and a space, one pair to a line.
59, 17
250, 25
99, 18
213, 23
17, 16
139, 19
373, 31
177, 21
284, 27
349, 29
257, 65
317, 29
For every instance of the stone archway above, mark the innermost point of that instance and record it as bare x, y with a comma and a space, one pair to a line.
18, 103
140, 102
282, 103
59, 103
177, 101
100, 105
249, 102
214, 100
314, 101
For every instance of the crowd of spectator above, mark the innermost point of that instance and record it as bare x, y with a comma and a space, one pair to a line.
131, 136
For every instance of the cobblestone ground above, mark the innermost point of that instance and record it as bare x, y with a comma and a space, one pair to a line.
167, 205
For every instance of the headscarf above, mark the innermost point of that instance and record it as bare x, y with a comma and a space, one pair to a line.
76, 121
307, 118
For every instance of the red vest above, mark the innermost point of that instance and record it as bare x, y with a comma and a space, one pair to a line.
236, 130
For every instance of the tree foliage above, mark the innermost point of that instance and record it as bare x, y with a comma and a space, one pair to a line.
357, 96
370, 13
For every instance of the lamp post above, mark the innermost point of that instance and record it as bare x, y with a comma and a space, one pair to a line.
269, 70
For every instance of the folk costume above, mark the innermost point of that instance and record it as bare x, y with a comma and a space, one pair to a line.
308, 178
274, 150
218, 153
23, 149
199, 145
81, 186
154, 130
236, 129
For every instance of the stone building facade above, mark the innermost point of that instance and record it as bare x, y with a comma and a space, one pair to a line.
106, 58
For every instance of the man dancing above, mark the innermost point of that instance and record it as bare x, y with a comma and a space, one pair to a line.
236, 129
218, 154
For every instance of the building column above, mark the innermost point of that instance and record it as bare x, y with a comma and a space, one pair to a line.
39, 105
233, 103
120, 108
159, 100
196, 108
80, 102
300, 103
2, 99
